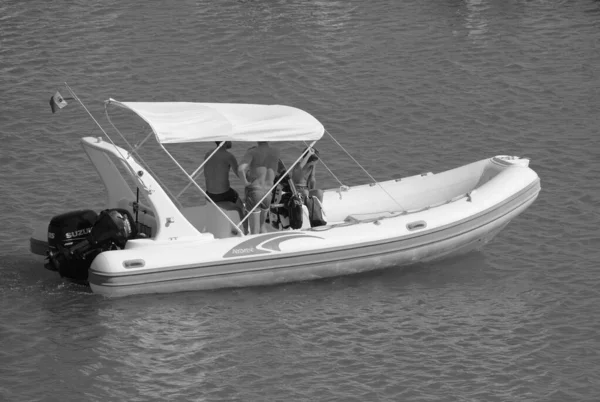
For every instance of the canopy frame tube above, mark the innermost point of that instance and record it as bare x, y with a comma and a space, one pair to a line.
200, 168
193, 182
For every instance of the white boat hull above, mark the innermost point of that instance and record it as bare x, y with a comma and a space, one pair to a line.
459, 238
374, 226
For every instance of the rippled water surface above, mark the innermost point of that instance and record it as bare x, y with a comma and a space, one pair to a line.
406, 86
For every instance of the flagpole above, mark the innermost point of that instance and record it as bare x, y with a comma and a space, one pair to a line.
85, 108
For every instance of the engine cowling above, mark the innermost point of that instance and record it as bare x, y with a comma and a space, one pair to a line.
70, 228
72, 255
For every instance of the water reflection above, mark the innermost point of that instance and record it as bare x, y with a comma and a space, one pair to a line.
475, 21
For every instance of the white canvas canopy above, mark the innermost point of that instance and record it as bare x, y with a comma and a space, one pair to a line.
177, 122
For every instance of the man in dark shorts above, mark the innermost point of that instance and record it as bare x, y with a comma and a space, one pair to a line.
216, 175
257, 170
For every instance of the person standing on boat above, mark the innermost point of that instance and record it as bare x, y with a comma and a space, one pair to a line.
259, 166
216, 175
303, 175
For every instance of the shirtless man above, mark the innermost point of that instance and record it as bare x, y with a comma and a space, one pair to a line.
216, 175
303, 175
257, 170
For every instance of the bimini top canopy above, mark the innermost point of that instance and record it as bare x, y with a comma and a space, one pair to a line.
176, 122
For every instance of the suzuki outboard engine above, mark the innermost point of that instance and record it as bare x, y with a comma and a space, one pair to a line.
70, 228
72, 252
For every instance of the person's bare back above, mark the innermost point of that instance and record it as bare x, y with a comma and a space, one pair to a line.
262, 163
216, 170
257, 170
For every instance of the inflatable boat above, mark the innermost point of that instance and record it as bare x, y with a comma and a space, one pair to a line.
144, 241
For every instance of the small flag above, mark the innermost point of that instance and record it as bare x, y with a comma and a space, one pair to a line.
57, 102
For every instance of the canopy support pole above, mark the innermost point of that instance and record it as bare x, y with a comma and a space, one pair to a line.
200, 168
132, 149
192, 181
139, 144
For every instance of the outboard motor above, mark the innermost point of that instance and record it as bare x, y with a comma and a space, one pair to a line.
68, 229
110, 231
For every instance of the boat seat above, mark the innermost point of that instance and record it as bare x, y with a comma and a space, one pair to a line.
217, 224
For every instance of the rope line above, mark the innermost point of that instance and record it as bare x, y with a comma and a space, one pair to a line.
351, 157
365, 170
327, 167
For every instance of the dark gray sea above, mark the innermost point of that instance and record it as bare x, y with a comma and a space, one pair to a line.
406, 86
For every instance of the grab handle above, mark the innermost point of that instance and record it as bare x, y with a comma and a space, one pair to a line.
416, 225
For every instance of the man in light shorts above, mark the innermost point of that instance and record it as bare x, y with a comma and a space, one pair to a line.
259, 166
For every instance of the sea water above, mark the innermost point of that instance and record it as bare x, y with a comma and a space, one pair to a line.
406, 87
